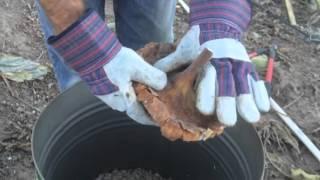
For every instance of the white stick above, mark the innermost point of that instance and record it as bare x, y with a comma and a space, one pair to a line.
291, 15
184, 6
297, 131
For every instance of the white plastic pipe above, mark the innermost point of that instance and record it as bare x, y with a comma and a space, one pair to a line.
184, 6
296, 130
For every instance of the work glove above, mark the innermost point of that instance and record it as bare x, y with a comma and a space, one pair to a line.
107, 67
229, 83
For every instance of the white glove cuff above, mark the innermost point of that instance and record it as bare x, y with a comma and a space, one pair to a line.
227, 48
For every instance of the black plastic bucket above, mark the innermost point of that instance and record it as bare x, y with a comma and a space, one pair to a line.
78, 137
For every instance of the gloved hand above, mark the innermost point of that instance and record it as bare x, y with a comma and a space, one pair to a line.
91, 49
230, 82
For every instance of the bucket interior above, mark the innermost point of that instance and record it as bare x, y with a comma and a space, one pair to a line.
78, 137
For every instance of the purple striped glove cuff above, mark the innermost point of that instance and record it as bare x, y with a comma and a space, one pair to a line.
213, 31
87, 46
220, 18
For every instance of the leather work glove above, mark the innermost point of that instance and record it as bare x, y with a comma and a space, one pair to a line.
229, 83
108, 68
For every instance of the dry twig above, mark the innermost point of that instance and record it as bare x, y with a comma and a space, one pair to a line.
276, 166
291, 15
293, 102
316, 130
16, 97
8, 86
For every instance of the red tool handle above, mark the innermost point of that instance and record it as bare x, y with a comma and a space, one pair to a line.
269, 73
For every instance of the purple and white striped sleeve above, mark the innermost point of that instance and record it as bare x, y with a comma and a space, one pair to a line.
86, 47
220, 18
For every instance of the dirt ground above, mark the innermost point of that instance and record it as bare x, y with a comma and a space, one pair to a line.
296, 85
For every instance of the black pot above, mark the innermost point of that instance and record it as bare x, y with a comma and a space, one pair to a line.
78, 137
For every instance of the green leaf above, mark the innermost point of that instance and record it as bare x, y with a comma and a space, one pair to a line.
260, 62
299, 174
20, 69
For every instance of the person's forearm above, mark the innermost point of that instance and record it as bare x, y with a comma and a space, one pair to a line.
63, 13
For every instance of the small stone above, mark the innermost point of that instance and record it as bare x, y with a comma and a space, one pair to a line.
256, 36
20, 109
